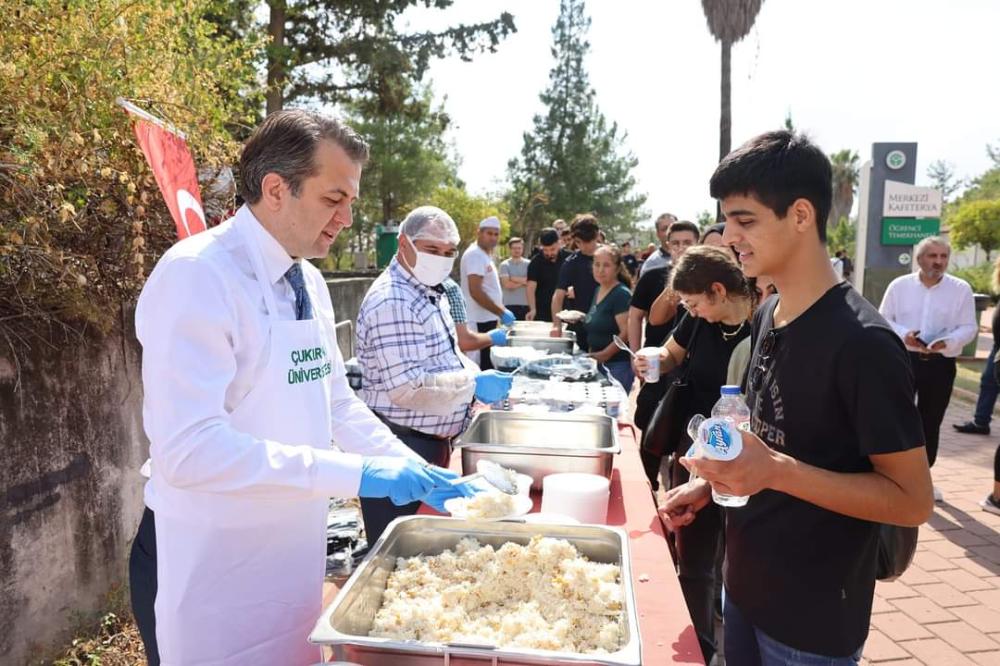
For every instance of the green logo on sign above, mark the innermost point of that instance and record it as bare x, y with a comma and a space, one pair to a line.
895, 159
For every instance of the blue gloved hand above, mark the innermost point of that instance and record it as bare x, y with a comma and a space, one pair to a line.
507, 318
498, 337
402, 480
492, 386
437, 497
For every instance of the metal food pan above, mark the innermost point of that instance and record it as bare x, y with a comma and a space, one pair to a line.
541, 444
562, 345
532, 327
345, 624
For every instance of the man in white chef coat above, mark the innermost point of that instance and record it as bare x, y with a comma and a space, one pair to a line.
245, 390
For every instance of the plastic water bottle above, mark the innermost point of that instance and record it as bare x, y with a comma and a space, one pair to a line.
734, 409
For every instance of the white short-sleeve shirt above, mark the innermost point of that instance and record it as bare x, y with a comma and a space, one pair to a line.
475, 261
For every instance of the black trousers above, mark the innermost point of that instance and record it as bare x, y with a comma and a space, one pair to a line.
934, 377
520, 311
142, 584
698, 550
485, 362
378, 512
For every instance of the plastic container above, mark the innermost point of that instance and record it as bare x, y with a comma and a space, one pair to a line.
580, 496
730, 408
652, 356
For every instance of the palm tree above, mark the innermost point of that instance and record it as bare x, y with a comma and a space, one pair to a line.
845, 180
729, 21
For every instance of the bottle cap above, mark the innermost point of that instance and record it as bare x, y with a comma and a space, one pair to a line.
730, 389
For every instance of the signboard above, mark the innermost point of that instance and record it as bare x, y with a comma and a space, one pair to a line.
905, 200
908, 230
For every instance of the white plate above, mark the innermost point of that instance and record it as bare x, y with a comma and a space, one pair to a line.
557, 518
522, 505
571, 316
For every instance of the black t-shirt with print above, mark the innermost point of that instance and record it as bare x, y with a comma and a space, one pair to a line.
831, 388
545, 275
709, 351
649, 287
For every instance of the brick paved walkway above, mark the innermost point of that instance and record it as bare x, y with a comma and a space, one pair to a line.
945, 610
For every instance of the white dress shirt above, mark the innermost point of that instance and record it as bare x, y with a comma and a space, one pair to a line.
947, 311
204, 330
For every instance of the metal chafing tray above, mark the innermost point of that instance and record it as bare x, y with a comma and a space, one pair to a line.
541, 444
345, 624
541, 340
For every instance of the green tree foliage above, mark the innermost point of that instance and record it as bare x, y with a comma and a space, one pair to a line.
942, 174
846, 173
410, 159
468, 210
573, 160
842, 236
976, 223
81, 217
334, 50
729, 21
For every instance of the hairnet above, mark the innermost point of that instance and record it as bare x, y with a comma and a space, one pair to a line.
429, 223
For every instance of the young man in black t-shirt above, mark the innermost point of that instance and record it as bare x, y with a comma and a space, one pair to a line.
576, 286
543, 275
836, 447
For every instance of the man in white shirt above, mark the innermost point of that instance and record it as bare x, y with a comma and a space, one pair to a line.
661, 256
244, 392
481, 284
935, 315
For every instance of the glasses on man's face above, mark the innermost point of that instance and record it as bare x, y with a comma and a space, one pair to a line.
767, 346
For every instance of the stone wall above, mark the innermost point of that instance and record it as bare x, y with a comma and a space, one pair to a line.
72, 442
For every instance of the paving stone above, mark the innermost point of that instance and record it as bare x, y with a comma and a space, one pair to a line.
929, 561
944, 595
899, 626
946, 549
991, 553
963, 636
936, 652
991, 658
894, 590
915, 575
880, 605
879, 648
981, 617
978, 566
962, 580
923, 610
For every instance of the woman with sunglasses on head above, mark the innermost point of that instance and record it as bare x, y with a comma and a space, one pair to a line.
608, 314
719, 302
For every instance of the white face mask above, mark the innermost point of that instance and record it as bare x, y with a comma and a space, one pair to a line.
430, 269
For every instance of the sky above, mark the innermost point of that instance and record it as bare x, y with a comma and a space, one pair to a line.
850, 73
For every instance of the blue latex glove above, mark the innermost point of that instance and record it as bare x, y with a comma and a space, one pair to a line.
492, 386
507, 318
437, 497
402, 480
498, 337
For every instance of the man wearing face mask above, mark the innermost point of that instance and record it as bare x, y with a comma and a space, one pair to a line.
415, 378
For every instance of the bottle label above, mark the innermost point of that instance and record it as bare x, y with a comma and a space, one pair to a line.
721, 439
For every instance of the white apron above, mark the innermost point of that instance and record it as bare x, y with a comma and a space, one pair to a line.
240, 577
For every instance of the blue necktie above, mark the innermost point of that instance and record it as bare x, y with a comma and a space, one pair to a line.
303, 307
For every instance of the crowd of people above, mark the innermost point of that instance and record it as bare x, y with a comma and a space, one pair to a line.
245, 391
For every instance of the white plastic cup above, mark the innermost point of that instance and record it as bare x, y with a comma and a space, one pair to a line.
652, 356
583, 497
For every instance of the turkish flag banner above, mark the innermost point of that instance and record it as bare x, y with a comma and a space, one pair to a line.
173, 167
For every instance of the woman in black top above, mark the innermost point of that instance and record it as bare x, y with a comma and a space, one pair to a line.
718, 300
988, 388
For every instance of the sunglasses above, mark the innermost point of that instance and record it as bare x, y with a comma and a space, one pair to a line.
767, 346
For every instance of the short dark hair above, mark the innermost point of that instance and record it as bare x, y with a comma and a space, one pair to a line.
585, 227
682, 225
777, 168
549, 236
719, 228
669, 217
703, 265
285, 144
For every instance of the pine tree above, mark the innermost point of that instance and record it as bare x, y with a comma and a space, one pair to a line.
573, 160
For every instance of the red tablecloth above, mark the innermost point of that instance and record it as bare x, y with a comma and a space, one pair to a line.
664, 622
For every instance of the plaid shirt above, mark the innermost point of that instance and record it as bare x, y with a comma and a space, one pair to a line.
405, 331
456, 301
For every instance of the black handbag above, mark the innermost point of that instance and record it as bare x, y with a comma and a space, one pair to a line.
668, 423
896, 546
